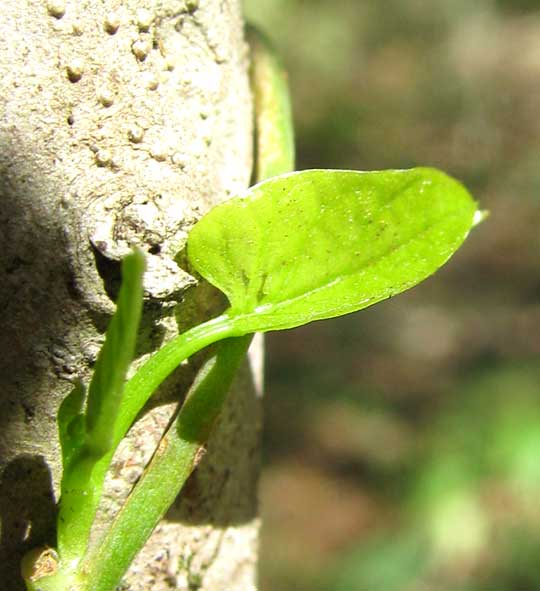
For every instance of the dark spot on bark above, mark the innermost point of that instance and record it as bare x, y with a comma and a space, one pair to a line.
15, 263
71, 286
109, 270
29, 412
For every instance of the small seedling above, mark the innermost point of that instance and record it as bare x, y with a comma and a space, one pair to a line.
295, 248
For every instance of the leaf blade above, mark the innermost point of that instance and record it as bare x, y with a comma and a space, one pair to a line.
87, 438
115, 357
318, 244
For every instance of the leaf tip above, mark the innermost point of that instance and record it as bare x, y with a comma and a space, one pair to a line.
136, 260
479, 216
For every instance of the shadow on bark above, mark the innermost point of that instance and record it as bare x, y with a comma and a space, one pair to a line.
28, 514
35, 289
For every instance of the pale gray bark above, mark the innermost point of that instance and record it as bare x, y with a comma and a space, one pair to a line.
119, 125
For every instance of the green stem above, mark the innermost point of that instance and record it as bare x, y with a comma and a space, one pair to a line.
82, 487
171, 465
150, 375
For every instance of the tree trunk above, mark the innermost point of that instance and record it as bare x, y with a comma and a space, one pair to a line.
119, 125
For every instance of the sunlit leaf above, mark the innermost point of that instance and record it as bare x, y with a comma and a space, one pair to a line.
87, 437
322, 243
105, 391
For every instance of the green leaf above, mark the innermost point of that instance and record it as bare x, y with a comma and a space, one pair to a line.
87, 439
319, 243
70, 421
114, 359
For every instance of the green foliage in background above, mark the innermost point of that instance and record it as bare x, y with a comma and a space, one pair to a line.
470, 507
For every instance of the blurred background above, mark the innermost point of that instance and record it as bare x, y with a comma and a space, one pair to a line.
402, 443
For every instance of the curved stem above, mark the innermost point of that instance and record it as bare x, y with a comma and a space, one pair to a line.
85, 486
150, 375
171, 465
